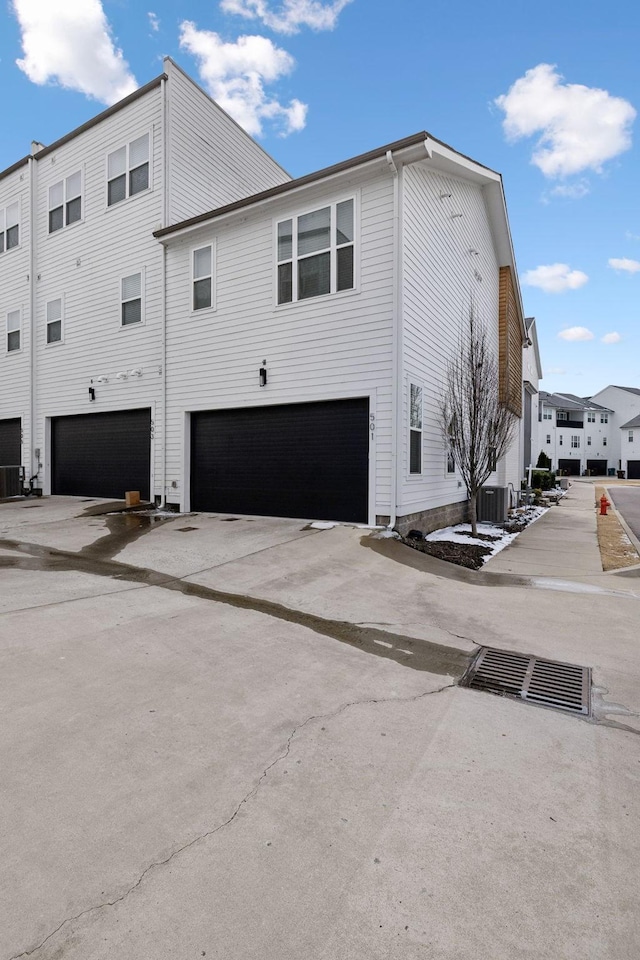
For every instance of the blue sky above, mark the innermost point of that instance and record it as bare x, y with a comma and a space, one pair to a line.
546, 95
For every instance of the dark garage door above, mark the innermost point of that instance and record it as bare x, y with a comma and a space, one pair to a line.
569, 467
101, 454
10, 443
597, 468
633, 469
297, 460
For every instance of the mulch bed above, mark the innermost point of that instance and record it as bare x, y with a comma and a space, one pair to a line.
468, 555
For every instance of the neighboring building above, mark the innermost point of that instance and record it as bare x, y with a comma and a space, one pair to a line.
531, 376
82, 280
625, 404
575, 433
283, 353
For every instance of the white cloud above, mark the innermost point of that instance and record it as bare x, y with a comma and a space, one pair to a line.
611, 338
579, 127
571, 191
576, 333
628, 266
235, 74
154, 23
554, 278
69, 42
632, 236
291, 15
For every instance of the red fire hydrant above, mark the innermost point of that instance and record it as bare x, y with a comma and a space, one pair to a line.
604, 503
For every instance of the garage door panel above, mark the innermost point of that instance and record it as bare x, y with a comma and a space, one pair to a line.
295, 460
10, 442
102, 454
633, 469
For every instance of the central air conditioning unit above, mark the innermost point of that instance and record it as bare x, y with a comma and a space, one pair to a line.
493, 504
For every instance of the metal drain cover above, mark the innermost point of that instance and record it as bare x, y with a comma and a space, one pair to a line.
548, 683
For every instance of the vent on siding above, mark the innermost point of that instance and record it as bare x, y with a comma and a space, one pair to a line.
548, 683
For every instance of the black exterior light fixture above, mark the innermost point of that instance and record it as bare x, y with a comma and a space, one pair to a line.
92, 393
263, 374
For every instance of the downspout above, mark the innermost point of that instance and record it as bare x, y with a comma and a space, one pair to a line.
396, 396
163, 297
34, 462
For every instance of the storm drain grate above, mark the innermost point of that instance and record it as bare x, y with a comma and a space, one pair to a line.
548, 683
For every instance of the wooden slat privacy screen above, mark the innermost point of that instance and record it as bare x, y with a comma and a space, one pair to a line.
510, 344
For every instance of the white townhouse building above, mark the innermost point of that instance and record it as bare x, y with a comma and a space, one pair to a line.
576, 433
82, 362
182, 318
308, 333
625, 433
531, 376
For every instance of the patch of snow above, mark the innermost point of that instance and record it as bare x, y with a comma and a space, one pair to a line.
322, 525
386, 534
461, 532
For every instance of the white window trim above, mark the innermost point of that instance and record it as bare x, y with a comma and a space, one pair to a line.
17, 310
630, 436
63, 180
56, 343
143, 300
214, 286
604, 418
128, 197
575, 441
19, 225
301, 212
409, 474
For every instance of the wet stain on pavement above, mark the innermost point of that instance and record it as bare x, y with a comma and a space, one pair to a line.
96, 559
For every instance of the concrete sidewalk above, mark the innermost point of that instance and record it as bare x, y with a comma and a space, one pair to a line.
562, 543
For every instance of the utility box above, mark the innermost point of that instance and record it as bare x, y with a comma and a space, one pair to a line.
493, 504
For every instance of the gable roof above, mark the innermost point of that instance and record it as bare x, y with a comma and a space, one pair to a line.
635, 422
635, 390
569, 401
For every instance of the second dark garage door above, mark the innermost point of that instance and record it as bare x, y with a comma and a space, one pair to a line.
101, 454
633, 469
10, 443
296, 460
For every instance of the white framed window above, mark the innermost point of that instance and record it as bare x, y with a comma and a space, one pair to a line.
630, 437
604, 441
548, 438
591, 417
588, 441
575, 442
604, 418
131, 299
9, 226
65, 202
562, 415
315, 252
415, 428
54, 314
14, 331
202, 278
547, 415
560, 440
128, 170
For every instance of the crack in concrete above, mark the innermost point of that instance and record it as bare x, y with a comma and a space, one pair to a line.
245, 799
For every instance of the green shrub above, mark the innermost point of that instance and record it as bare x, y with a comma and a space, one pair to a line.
543, 479
544, 462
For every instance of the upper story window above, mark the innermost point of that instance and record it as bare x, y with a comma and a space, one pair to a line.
315, 253
548, 438
562, 415
588, 441
604, 441
9, 226
202, 282
131, 299
591, 417
65, 202
575, 442
54, 321
128, 170
630, 437
604, 418
415, 428
13, 331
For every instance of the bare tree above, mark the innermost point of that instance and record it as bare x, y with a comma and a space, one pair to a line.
477, 427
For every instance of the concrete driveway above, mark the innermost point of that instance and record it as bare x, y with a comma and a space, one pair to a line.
243, 739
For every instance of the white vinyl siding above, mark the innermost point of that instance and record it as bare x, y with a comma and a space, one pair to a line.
128, 170
10, 226
65, 202
14, 331
315, 252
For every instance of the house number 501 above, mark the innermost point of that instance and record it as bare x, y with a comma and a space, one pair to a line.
372, 422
